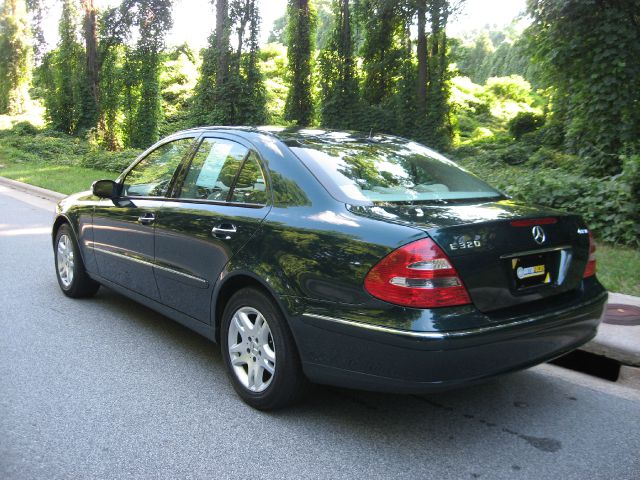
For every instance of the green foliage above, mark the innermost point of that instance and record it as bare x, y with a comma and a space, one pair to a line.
525, 122
339, 97
62, 74
28, 144
301, 27
272, 60
609, 205
589, 51
15, 57
382, 51
153, 19
494, 53
230, 90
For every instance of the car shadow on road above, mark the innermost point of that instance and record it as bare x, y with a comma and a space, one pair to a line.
514, 407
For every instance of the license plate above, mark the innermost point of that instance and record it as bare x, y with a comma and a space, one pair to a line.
531, 270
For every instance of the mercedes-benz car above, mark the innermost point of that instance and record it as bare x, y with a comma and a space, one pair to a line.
363, 261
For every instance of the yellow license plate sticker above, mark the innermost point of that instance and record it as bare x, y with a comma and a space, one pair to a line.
527, 272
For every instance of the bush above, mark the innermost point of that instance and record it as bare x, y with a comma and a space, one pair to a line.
525, 122
56, 148
609, 205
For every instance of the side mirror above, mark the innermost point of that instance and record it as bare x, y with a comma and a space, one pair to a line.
105, 189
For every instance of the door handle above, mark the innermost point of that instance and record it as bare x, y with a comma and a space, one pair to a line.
224, 231
147, 218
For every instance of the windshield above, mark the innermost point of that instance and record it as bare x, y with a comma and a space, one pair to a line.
390, 171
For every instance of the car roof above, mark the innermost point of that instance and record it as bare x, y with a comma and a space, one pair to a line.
298, 136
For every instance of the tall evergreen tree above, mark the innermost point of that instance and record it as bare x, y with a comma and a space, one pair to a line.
337, 73
300, 40
15, 57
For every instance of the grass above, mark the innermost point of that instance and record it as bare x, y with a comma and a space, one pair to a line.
619, 269
59, 178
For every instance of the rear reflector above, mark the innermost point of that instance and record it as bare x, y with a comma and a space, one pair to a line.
417, 275
530, 222
590, 269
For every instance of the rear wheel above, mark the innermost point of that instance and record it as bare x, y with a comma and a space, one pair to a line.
72, 276
259, 352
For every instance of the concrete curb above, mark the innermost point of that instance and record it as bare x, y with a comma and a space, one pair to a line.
33, 190
618, 342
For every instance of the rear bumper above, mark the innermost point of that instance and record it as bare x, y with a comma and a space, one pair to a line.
344, 353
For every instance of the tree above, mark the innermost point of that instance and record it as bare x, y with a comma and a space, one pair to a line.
300, 40
337, 72
437, 128
92, 64
589, 52
15, 57
62, 74
153, 19
230, 90
37, 10
381, 52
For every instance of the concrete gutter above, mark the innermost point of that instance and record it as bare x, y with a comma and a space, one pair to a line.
33, 190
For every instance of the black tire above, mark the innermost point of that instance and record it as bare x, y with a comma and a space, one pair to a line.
288, 382
80, 285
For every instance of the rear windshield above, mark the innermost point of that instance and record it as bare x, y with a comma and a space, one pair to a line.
370, 171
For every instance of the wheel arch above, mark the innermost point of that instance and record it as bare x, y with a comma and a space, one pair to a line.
243, 279
60, 220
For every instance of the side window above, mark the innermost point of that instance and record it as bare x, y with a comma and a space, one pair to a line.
251, 186
213, 170
152, 175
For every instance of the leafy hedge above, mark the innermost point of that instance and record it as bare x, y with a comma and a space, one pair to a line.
27, 143
610, 205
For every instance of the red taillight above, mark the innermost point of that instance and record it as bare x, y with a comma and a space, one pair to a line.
590, 269
417, 275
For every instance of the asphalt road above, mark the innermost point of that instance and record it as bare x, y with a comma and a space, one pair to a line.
105, 388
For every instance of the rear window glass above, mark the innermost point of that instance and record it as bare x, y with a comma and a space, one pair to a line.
389, 172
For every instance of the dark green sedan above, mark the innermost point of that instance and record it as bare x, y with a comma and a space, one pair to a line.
368, 262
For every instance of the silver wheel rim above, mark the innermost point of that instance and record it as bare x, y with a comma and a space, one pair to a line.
64, 260
251, 349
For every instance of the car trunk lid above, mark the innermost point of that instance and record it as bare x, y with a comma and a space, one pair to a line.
506, 254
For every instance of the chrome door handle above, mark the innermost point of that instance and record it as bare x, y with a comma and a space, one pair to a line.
147, 218
224, 231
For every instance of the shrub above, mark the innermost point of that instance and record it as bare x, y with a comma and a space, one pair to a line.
609, 205
525, 122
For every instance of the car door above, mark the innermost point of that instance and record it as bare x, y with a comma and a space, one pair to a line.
123, 228
216, 209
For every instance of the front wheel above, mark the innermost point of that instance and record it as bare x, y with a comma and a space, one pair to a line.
72, 276
259, 352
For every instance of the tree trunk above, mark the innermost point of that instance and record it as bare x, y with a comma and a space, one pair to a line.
91, 44
422, 54
222, 41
